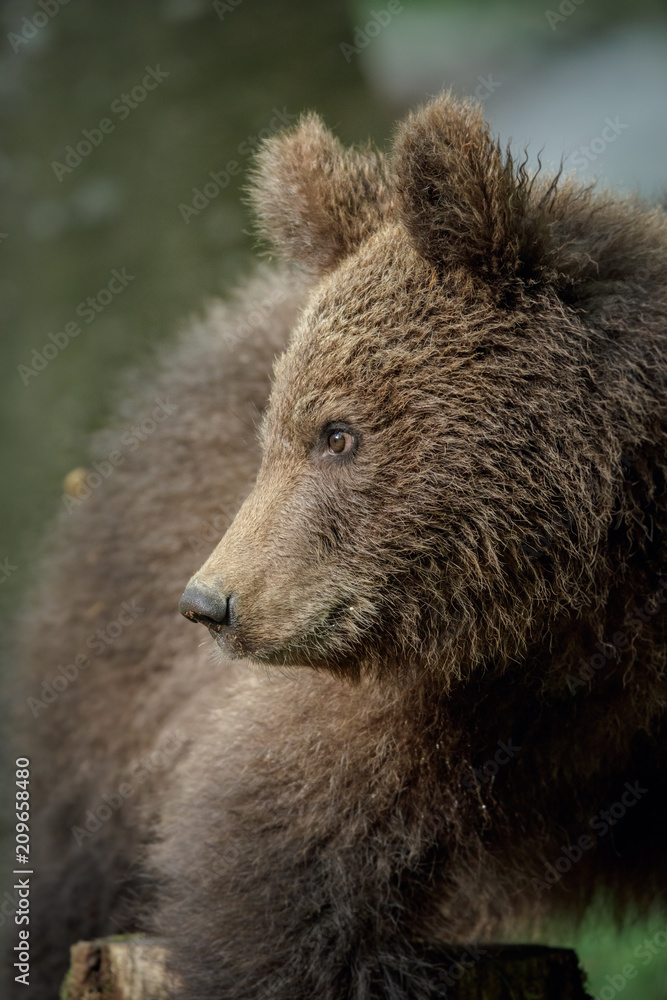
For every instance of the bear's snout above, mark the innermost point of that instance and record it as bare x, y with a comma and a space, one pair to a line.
203, 604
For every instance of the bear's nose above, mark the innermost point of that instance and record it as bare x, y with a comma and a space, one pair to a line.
205, 605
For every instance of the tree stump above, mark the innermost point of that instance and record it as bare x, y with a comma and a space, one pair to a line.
116, 968
509, 972
133, 968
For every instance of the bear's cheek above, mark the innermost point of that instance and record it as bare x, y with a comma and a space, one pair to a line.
301, 565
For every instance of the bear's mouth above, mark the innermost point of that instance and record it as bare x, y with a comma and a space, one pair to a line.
321, 639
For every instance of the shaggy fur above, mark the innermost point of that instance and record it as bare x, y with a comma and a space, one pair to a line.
465, 608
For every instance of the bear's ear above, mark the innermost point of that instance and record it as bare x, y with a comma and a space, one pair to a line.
461, 198
315, 200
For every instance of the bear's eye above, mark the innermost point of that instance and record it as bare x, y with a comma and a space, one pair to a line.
340, 442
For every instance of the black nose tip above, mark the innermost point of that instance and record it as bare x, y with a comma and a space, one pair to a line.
201, 604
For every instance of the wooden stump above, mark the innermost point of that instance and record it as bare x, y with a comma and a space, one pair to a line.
116, 968
510, 972
133, 968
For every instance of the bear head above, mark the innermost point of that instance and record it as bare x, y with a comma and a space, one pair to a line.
440, 454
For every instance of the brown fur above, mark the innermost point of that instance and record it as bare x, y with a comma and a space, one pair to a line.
495, 344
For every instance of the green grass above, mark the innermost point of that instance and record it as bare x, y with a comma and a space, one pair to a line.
607, 955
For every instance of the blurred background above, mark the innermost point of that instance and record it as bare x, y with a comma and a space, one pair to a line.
127, 129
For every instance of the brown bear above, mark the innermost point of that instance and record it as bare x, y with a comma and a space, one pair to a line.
433, 710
